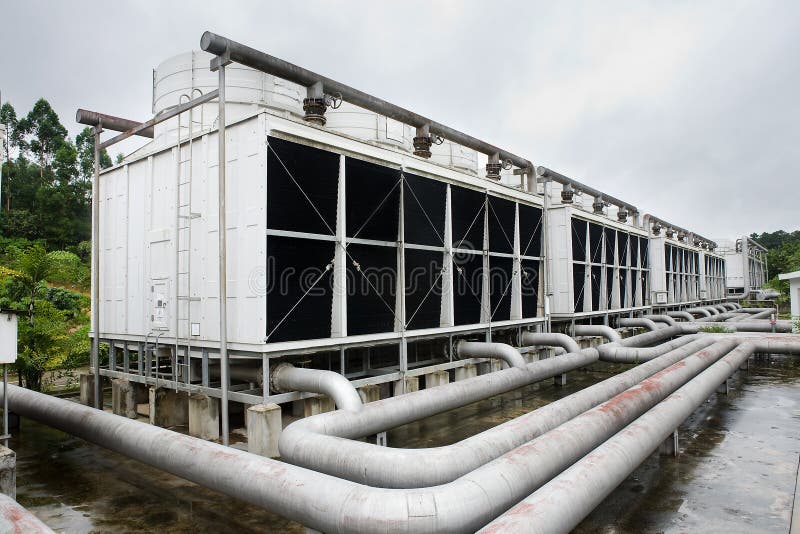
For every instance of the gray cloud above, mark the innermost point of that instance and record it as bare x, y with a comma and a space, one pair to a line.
686, 109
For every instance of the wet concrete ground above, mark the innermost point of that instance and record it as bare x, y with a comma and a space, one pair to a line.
736, 472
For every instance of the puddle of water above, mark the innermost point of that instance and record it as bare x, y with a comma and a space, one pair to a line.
736, 472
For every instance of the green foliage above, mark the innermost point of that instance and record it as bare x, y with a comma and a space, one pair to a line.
47, 188
715, 329
783, 257
55, 336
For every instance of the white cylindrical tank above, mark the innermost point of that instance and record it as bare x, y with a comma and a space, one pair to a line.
188, 75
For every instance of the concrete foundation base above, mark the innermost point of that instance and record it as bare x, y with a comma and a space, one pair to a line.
124, 397
406, 385
264, 426
725, 387
467, 371
316, 405
8, 472
204, 417
168, 407
87, 388
369, 393
436, 378
670, 446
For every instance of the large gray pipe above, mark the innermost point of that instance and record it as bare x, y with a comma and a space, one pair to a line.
110, 122
701, 311
500, 351
681, 315
314, 442
597, 330
216, 44
638, 322
666, 319
711, 309
584, 486
285, 378
550, 340
16, 519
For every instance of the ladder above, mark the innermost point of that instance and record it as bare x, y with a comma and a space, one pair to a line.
181, 364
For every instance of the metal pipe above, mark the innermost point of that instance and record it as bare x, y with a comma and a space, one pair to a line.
666, 319
549, 339
285, 377
500, 351
701, 311
711, 309
95, 297
648, 218
312, 443
638, 322
596, 330
584, 486
720, 308
110, 122
14, 518
222, 46
681, 315
222, 278
578, 186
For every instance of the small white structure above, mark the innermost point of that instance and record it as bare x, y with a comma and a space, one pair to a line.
794, 290
8, 337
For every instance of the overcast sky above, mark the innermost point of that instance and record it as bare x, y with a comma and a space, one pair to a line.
690, 110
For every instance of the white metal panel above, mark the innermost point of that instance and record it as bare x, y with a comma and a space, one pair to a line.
8, 338
560, 235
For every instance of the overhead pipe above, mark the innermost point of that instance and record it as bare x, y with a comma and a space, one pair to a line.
501, 351
666, 319
681, 315
550, 340
596, 330
584, 486
578, 186
650, 218
110, 122
637, 322
222, 46
315, 442
285, 377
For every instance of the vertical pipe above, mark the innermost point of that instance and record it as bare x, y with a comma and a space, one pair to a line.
5, 405
223, 264
545, 247
95, 356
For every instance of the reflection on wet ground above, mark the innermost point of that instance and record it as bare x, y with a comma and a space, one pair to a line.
736, 472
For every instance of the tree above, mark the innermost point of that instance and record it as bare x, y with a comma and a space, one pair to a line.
85, 145
40, 133
44, 337
8, 117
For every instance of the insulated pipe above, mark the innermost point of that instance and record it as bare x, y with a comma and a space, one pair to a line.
222, 46
110, 122
638, 322
729, 305
764, 314
721, 308
681, 315
711, 309
648, 218
310, 442
584, 485
14, 518
500, 351
550, 340
578, 186
596, 330
317, 500
666, 319
701, 311
740, 326
285, 378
